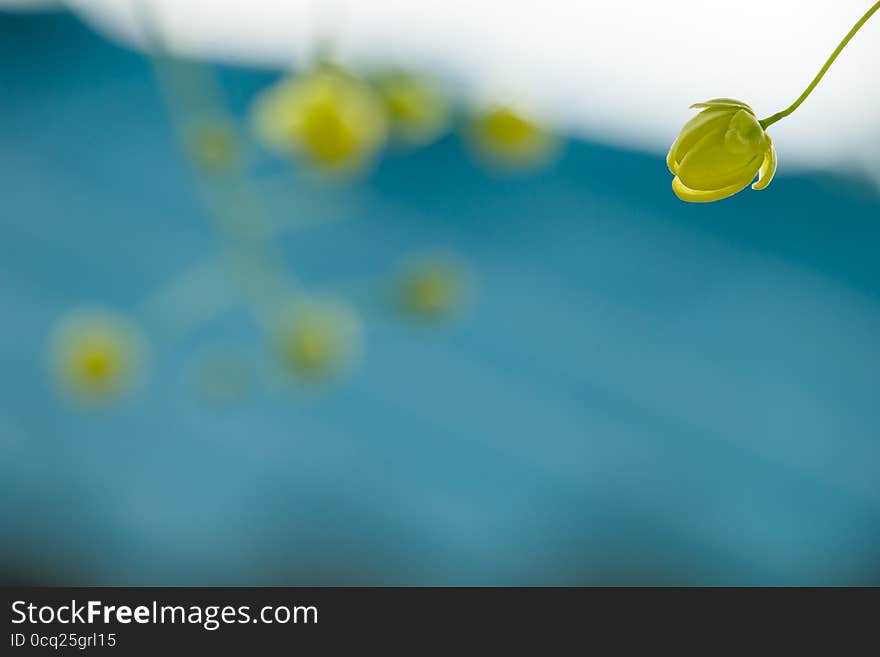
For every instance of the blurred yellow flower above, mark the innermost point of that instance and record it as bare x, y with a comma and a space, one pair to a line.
316, 339
508, 138
418, 110
329, 117
95, 355
432, 287
719, 152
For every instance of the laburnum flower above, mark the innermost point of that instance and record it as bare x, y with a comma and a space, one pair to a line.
316, 338
725, 146
418, 110
95, 355
329, 117
506, 138
719, 152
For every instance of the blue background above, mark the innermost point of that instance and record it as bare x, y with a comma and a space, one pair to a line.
643, 392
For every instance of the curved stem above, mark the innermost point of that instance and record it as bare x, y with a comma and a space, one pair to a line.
770, 120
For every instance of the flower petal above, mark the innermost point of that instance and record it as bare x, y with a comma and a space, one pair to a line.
768, 167
694, 130
709, 165
671, 164
697, 196
745, 135
727, 103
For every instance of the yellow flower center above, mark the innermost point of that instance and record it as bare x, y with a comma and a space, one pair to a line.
326, 134
506, 127
310, 350
94, 355
406, 105
96, 366
429, 294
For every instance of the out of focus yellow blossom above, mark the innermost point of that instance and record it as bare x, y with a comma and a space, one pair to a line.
95, 355
509, 139
418, 110
331, 119
317, 339
213, 144
433, 287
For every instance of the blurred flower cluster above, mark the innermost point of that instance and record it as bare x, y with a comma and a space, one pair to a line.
329, 123
337, 122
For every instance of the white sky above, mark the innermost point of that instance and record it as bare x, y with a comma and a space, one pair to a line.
623, 71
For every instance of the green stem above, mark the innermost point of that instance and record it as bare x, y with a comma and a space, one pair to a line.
770, 120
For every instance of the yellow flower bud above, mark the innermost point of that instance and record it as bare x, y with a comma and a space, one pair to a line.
719, 152
328, 117
94, 355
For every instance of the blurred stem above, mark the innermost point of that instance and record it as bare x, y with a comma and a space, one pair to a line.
235, 208
770, 120
186, 301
